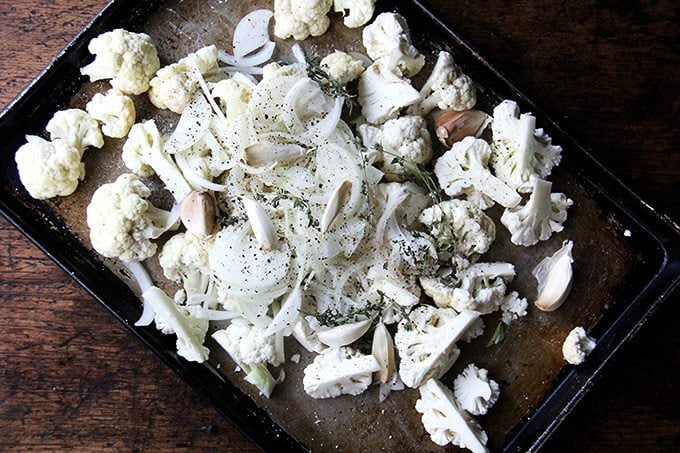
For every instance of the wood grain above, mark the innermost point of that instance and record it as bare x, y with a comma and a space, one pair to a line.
72, 378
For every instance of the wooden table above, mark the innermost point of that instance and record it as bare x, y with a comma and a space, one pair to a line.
71, 377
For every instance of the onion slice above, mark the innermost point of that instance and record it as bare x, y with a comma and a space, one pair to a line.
192, 125
252, 32
259, 57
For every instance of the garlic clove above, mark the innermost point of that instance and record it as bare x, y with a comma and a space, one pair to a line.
343, 335
452, 126
554, 275
335, 204
383, 351
261, 224
264, 154
198, 213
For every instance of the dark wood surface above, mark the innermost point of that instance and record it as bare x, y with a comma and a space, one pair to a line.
72, 378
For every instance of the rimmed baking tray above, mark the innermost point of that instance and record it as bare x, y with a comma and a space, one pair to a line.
627, 255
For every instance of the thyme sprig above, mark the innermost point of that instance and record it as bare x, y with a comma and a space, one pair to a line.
298, 203
330, 87
333, 318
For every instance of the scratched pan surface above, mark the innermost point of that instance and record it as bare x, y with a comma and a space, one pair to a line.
618, 280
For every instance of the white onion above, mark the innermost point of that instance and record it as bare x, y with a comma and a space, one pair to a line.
290, 309
252, 32
192, 125
194, 177
256, 59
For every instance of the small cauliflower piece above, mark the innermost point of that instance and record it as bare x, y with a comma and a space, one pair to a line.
461, 228
114, 110
234, 95
185, 258
388, 37
143, 154
247, 344
122, 222
539, 218
341, 67
49, 169
404, 140
360, 11
464, 168
129, 59
446, 88
474, 391
175, 85
521, 153
513, 307
77, 128
426, 342
339, 371
301, 18
577, 346
445, 421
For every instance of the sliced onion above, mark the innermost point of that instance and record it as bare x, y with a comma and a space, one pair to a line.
362, 57
299, 54
212, 315
256, 59
256, 70
192, 125
290, 309
140, 273
252, 32
326, 126
194, 177
147, 316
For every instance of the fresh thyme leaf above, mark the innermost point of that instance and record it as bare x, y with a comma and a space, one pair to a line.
498, 335
333, 318
298, 203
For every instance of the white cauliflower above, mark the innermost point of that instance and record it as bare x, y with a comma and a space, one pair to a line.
247, 345
446, 88
301, 18
234, 95
388, 37
175, 85
460, 228
122, 222
77, 128
426, 342
475, 330
474, 391
114, 110
513, 307
542, 215
577, 346
445, 422
48, 169
341, 67
339, 371
143, 154
185, 258
463, 169
521, 153
382, 92
128, 59
360, 11
405, 142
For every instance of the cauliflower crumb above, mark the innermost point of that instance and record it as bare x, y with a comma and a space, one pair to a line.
577, 346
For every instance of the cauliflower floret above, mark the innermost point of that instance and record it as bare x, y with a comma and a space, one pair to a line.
426, 342
463, 169
247, 344
128, 59
445, 421
474, 391
475, 330
446, 88
360, 11
383, 92
122, 222
175, 85
577, 346
405, 142
77, 128
513, 307
234, 95
114, 110
388, 37
521, 153
339, 371
460, 228
341, 67
542, 215
301, 18
184, 258
143, 154
48, 169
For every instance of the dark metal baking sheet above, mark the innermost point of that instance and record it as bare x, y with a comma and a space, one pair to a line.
618, 282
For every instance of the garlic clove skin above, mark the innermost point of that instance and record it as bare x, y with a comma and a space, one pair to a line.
261, 224
198, 213
343, 335
554, 275
335, 204
383, 351
452, 126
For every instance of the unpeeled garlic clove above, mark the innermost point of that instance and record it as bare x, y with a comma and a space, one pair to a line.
383, 351
343, 335
452, 126
198, 213
261, 224
554, 275
335, 204
264, 154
